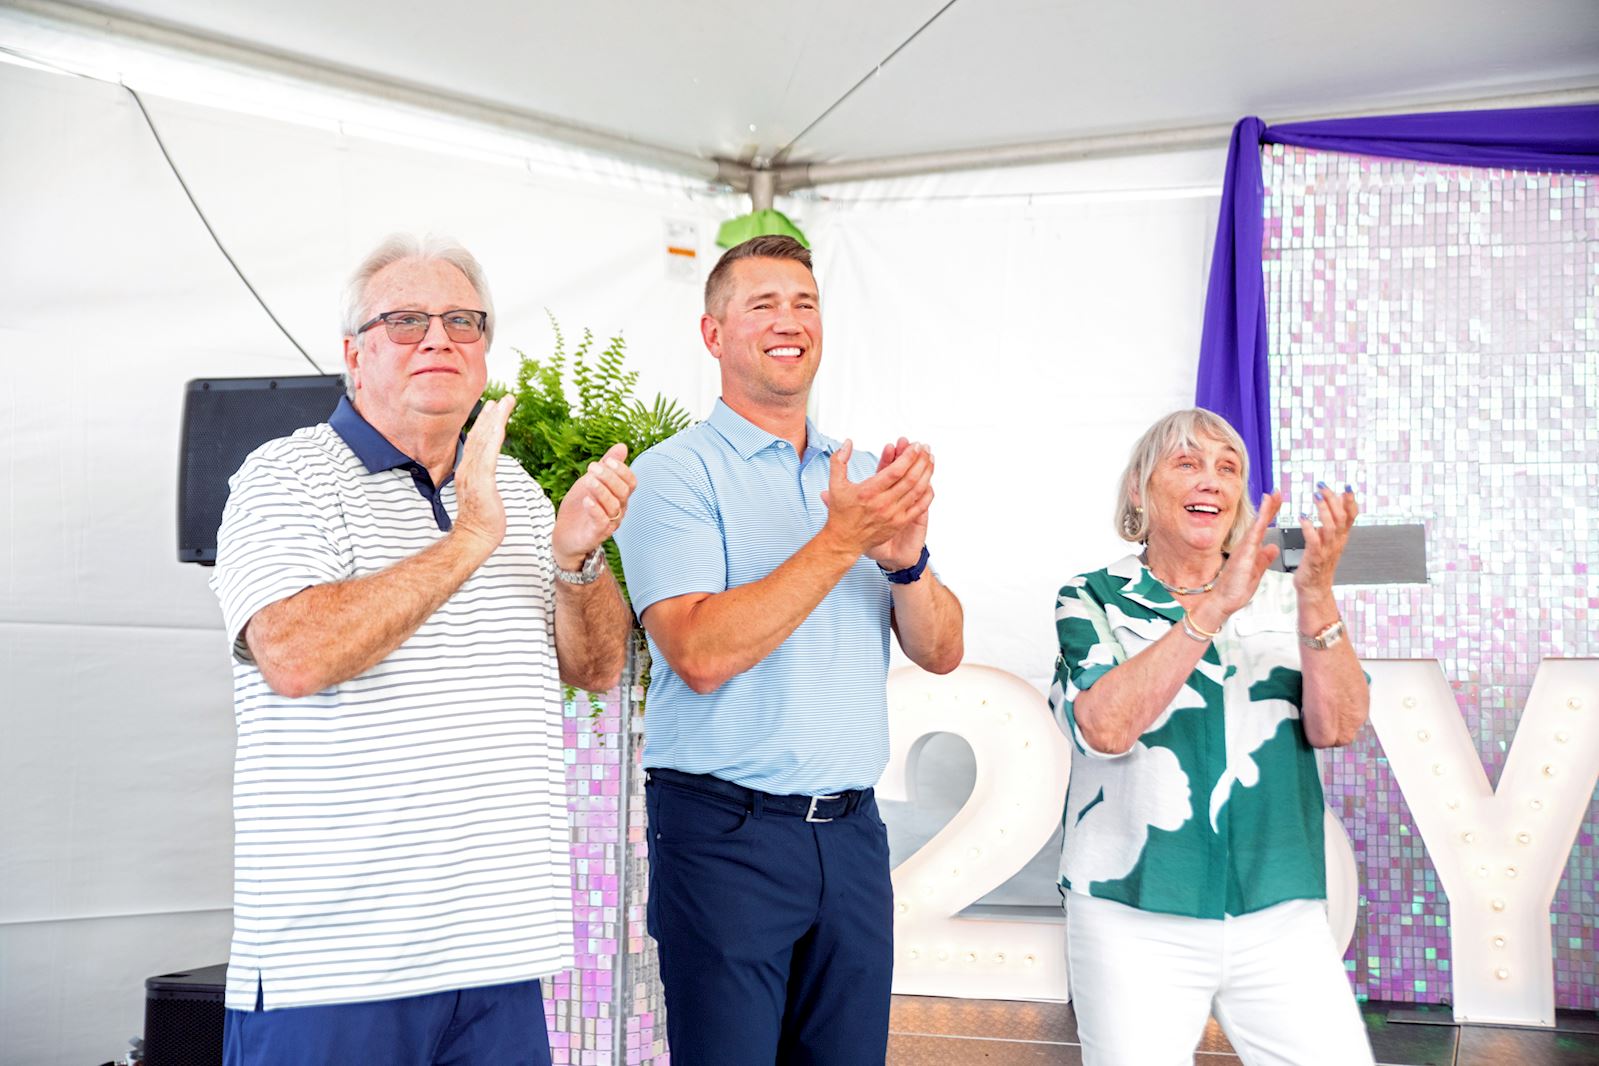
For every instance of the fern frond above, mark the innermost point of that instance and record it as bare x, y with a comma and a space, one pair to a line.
572, 406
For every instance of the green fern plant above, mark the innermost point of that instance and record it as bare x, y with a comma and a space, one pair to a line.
556, 434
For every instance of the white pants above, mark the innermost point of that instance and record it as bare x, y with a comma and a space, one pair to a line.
1144, 984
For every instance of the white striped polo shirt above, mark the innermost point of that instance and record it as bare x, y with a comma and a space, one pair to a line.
404, 832
720, 505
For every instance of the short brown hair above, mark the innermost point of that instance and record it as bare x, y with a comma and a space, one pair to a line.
771, 246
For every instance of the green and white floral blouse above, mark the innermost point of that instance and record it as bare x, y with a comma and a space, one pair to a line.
1217, 809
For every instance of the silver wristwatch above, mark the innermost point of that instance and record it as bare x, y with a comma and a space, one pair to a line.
590, 572
1326, 638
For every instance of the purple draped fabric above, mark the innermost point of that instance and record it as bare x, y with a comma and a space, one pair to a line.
1232, 350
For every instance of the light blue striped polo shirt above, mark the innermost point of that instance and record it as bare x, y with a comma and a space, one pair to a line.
720, 505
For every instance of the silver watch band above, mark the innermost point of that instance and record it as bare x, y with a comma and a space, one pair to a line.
588, 574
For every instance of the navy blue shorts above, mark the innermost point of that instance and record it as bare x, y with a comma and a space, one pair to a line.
497, 1025
776, 933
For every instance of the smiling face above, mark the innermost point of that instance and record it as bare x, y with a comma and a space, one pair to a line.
397, 385
1192, 498
768, 335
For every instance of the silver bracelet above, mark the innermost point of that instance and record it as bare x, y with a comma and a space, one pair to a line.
1326, 638
590, 572
1193, 634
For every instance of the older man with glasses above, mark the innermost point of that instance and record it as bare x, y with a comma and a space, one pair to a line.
404, 605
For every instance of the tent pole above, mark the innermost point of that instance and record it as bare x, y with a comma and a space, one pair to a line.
806, 175
172, 41
763, 189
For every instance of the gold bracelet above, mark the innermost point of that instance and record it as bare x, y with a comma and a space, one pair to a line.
1197, 633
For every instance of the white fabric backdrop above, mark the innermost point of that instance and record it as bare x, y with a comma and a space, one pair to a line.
1028, 324
1027, 337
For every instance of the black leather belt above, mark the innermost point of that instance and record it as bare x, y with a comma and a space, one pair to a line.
811, 808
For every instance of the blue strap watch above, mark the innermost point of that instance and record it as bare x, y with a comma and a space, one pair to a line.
911, 573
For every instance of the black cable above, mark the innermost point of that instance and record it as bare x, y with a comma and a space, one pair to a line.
148, 121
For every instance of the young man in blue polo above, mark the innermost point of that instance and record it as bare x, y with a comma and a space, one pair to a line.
769, 565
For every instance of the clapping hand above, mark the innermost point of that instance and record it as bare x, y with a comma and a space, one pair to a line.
592, 508
885, 516
1249, 559
480, 512
1324, 543
904, 549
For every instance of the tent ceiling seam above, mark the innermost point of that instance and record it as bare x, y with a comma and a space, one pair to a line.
807, 175
784, 152
736, 175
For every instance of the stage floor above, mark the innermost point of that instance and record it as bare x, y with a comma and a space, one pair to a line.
925, 1031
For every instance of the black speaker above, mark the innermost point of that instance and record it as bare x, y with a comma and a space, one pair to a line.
224, 420
183, 1017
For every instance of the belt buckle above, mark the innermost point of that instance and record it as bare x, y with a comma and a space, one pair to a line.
810, 815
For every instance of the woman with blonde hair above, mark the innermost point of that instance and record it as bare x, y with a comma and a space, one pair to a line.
1195, 684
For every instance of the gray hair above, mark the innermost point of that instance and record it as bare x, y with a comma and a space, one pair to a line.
1180, 429
394, 248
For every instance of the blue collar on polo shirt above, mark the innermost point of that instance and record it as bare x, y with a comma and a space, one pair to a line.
748, 439
377, 453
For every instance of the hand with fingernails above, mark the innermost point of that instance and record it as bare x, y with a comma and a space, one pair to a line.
1324, 543
885, 516
905, 548
592, 508
480, 513
1251, 557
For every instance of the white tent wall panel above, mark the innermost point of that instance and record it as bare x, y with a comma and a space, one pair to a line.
118, 780
118, 828
72, 991
1139, 176
91, 440
1029, 341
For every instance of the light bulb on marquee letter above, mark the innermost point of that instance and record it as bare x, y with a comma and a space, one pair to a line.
1467, 825
1022, 765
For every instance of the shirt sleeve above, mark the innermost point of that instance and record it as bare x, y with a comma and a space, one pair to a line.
671, 539
1088, 651
274, 541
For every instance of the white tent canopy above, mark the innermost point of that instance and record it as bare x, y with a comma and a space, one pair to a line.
688, 84
1027, 322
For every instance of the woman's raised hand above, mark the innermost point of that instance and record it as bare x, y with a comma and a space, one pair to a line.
1324, 543
1250, 559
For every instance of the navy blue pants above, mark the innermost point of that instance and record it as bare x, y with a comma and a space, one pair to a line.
497, 1025
776, 933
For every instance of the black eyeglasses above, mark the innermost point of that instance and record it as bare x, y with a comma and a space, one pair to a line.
409, 327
